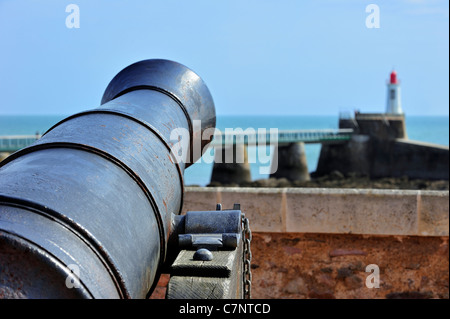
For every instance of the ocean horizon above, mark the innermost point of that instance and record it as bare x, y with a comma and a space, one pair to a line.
430, 129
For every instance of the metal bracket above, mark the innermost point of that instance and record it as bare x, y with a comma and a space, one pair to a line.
213, 230
209, 241
210, 262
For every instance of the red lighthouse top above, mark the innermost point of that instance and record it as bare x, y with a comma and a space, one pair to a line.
394, 77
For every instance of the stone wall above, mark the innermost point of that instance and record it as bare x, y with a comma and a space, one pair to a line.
299, 265
338, 211
383, 126
378, 158
317, 243
403, 157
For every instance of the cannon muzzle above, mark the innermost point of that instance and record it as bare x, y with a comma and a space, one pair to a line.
85, 211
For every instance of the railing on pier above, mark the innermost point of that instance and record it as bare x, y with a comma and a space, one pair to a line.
12, 143
251, 137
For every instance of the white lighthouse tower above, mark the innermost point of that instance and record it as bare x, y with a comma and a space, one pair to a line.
394, 104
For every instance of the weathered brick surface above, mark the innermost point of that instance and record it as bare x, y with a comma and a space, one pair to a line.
294, 265
304, 266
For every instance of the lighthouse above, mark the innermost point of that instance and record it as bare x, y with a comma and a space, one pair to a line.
394, 104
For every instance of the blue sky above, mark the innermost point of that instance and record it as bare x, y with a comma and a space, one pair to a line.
257, 57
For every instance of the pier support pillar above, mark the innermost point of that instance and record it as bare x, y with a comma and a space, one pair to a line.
290, 161
3, 155
231, 165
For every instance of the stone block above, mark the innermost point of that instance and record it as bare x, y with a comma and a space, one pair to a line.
433, 213
262, 206
200, 198
320, 210
376, 212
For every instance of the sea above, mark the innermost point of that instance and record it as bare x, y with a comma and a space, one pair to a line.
431, 129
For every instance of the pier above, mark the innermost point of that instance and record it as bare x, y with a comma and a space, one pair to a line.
289, 157
231, 163
375, 145
331, 136
12, 143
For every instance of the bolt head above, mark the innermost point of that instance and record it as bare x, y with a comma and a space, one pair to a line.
203, 254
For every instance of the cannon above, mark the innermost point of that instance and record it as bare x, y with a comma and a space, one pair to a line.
92, 209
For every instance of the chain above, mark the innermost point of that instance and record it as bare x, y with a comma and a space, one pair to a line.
247, 273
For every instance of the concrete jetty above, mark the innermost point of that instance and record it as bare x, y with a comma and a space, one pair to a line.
380, 147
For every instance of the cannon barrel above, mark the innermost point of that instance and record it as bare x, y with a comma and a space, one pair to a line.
85, 211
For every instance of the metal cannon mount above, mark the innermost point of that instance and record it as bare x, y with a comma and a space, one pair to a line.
214, 255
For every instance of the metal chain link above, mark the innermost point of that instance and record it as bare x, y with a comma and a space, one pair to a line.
247, 273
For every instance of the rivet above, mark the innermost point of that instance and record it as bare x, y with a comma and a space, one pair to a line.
203, 254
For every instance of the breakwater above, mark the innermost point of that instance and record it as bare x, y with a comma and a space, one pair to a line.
380, 147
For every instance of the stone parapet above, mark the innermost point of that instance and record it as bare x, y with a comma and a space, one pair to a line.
324, 243
335, 211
